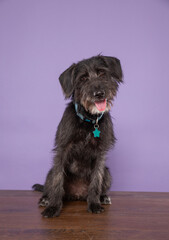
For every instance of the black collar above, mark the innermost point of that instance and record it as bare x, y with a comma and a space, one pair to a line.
89, 117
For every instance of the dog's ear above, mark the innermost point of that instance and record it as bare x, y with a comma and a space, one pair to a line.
115, 68
66, 81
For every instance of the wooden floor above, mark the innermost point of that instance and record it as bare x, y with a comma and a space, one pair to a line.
132, 216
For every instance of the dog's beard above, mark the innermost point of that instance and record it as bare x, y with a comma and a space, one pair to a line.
93, 110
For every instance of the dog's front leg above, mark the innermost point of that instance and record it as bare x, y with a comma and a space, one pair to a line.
55, 192
95, 188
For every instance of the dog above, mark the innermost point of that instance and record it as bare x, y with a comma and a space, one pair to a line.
84, 136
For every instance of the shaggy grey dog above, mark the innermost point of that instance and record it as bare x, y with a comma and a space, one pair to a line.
83, 137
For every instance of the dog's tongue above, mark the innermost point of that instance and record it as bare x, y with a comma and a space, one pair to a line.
101, 105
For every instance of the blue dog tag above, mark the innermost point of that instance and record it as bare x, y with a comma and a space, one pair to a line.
96, 133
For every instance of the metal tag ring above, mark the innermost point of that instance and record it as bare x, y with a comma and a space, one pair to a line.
96, 126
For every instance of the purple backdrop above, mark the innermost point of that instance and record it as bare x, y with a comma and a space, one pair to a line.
39, 39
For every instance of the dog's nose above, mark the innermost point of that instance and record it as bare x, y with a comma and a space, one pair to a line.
99, 94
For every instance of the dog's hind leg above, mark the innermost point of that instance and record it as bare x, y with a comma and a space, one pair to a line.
104, 199
43, 201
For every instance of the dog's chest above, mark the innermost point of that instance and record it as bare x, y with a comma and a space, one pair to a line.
87, 139
84, 150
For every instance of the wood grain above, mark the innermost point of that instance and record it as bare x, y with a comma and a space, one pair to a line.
132, 216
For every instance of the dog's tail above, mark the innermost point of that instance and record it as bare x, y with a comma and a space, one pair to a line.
38, 187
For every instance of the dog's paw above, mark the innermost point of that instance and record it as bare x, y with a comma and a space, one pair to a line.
43, 202
50, 212
95, 208
104, 199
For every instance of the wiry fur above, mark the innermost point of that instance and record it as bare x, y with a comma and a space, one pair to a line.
79, 171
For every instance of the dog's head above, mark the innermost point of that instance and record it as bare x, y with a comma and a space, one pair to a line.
93, 82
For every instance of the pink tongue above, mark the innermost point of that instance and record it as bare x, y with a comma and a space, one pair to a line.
101, 105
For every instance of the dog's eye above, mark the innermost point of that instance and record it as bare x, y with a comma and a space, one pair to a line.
84, 77
100, 73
